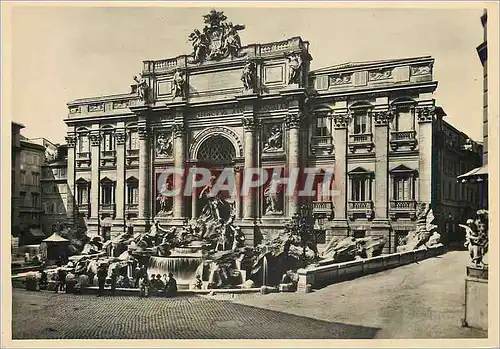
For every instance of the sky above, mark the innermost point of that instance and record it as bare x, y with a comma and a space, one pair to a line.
59, 54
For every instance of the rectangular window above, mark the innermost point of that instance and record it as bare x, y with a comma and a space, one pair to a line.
132, 194
35, 199
404, 120
133, 140
36, 178
403, 188
62, 172
107, 195
108, 142
23, 177
360, 123
22, 198
82, 195
360, 189
322, 126
83, 144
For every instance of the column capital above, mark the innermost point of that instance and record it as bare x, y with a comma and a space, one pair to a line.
120, 137
341, 120
71, 140
178, 130
143, 131
95, 139
293, 120
381, 117
250, 124
426, 114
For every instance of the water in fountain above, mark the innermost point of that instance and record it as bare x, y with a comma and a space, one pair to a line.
182, 266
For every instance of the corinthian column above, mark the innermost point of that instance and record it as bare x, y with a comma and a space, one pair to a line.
179, 161
71, 202
293, 125
250, 125
381, 163
94, 186
143, 214
120, 175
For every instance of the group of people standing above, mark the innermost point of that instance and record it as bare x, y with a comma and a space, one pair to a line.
157, 285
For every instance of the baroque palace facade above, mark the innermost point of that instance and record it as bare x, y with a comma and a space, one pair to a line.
261, 106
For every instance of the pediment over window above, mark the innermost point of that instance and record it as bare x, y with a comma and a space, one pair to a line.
403, 169
132, 179
81, 181
403, 102
106, 180
361, 105
360, 171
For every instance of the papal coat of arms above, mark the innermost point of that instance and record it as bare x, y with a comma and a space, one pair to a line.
218, 39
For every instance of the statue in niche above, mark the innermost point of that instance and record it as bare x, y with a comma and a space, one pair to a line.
248, 76
200, 45
274, 140
294, 64
179, 84
164, 198
142, 88
271, 195
164, 145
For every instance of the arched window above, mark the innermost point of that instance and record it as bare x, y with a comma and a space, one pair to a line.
217, 149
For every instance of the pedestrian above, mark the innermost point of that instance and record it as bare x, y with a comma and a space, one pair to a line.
61, 279
171, 286
101, 279
70, 282
144, 286
114, 279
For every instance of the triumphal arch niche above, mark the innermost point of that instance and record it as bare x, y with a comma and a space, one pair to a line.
225, 105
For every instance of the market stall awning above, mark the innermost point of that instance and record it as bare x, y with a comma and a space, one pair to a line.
55, 238
37, 233
473, 175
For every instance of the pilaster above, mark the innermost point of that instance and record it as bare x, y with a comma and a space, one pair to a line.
425, 116
144, 151
70, 196
95, 140
339, 224
120, 173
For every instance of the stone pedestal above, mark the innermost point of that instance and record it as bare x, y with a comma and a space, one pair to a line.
382, 227
476, 298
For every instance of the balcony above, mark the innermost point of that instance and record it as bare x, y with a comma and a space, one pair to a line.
360, 208
83, 208
321, 143
132, 156
403, 139
108, 158
322, 208
402, 207
107, 208
359, 141
132, 208
83, 158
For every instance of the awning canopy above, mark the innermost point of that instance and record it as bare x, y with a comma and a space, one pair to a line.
37, 233
55, 238
478, 174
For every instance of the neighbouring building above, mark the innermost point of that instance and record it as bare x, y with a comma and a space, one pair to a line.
15, 177
479, 175
54, 190
32, 157
375, 123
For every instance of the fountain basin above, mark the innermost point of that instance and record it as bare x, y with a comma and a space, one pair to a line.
183, 266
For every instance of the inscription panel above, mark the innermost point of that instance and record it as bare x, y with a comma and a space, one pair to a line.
215, 81
274, 74
164, 88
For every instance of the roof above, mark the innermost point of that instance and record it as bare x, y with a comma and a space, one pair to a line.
478, 172
37, 232
368, 63
55, 238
